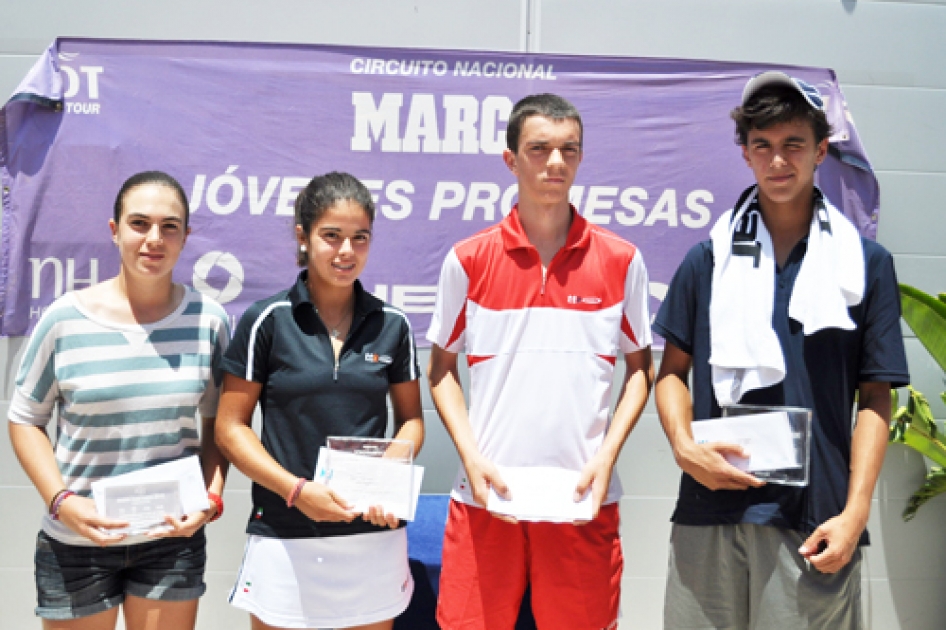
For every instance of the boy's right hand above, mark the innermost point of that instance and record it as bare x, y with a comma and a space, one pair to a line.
707, 464
483, 475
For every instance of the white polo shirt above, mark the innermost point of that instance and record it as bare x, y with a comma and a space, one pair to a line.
541, 346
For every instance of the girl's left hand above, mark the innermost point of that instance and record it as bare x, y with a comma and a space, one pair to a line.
376, 516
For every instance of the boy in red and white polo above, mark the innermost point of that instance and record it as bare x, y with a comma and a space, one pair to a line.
542, 305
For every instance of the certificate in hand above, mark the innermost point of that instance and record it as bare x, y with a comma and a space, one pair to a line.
144, 506
371, 471
144, 497
541, 493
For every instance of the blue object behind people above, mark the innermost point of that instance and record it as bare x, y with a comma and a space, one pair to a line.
425, 546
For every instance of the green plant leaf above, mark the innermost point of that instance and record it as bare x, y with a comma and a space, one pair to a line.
926, 317
935, 484
899, 419
922, 419
914, 426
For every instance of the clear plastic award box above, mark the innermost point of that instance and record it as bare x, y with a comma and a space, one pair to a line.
799, 425
370, 471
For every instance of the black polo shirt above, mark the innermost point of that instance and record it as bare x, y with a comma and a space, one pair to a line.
282, 343
823, 374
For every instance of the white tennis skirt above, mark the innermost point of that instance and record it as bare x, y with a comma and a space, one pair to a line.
334, 582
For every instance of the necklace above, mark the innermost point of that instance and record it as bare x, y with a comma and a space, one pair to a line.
335, 330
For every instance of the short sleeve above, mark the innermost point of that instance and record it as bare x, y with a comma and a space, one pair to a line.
883, 358
676, 318
248, 351
37, 389
635, 324
220, 331
448, 325
404, 365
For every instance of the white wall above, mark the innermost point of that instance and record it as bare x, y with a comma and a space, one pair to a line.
889, 57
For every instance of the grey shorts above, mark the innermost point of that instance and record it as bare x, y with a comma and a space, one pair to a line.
751, 577
75, 581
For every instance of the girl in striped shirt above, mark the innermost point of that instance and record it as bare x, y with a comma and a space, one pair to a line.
129, 363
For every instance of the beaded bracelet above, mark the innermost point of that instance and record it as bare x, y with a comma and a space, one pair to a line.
296, 491
53, 500
217, 500
57, 503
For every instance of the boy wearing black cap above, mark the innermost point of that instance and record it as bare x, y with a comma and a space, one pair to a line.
785, 305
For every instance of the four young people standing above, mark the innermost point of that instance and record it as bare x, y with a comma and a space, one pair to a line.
827, 313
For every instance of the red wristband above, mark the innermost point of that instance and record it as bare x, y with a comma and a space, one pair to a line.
217, 500
296, 491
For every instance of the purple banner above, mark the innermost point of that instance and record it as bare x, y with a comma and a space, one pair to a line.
244, 127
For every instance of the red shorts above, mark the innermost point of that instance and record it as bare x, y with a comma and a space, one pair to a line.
574, 571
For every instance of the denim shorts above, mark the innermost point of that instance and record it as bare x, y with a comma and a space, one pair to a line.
75, 581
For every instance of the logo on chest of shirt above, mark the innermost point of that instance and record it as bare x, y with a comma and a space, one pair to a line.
377, 358
577, 299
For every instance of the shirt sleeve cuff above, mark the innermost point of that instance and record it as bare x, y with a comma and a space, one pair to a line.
24, 410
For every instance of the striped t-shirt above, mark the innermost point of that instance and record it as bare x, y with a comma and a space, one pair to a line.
128, 395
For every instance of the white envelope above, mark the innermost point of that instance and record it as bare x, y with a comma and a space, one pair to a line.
767, 437
541, 493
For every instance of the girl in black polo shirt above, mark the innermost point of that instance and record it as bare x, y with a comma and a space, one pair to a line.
320, 358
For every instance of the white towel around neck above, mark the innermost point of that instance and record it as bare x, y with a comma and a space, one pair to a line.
744, 350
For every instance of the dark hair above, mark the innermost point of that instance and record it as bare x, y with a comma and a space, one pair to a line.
151, 177
776, 104
323, 192
548, 105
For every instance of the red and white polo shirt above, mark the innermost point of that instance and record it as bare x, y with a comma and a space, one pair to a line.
541, 346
